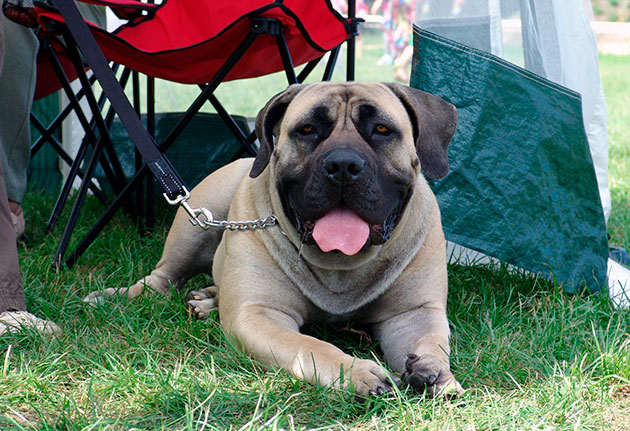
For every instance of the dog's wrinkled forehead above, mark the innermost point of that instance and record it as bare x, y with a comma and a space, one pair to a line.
332, 103
430, 120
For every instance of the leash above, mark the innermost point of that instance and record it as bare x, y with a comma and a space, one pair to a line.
175, 192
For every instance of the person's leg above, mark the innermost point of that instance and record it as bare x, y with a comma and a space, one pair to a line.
13, 314
11, 293
17, 86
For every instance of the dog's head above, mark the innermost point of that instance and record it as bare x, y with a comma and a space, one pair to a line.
347, 155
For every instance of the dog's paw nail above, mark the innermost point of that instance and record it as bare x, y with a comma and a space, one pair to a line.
397, 381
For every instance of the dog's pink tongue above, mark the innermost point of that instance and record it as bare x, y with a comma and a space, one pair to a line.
341, 229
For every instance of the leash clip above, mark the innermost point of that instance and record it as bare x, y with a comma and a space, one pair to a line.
194, 213
209, 222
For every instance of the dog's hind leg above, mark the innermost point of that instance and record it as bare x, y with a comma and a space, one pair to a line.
188, 250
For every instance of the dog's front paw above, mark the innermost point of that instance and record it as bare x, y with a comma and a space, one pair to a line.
99, 296
368, 378
429, 374
141, 287
201, 302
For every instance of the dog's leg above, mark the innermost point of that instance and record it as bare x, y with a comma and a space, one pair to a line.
415, 343
272, 337
188, 250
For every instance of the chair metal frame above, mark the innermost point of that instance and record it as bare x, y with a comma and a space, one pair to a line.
100, 123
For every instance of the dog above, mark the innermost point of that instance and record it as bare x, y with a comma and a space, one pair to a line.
358, 237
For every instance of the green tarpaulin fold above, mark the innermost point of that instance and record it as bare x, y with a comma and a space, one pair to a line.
522, 187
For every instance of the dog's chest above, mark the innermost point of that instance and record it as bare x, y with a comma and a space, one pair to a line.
341, 292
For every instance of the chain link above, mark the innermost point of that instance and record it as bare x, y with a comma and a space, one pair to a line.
261, 223
196, 215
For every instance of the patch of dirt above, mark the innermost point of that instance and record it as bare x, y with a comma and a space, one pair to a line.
617, 418
621, 392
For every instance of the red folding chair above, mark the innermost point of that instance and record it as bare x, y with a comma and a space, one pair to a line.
203, 42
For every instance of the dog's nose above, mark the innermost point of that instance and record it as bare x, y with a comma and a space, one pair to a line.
343, 166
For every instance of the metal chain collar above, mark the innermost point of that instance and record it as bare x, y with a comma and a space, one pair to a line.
209, 221
261, 223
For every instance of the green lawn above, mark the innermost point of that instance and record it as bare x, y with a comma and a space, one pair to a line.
531, 356
615, 74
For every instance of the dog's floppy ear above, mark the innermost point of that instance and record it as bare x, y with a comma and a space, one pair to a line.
434, 121
266, 121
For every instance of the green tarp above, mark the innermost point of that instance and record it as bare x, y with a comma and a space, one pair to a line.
203, 146
522, 187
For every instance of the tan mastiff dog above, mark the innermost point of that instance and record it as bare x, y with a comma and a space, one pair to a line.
358, 237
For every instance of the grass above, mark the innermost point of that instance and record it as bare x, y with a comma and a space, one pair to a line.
611, 10
531, 356
614, 74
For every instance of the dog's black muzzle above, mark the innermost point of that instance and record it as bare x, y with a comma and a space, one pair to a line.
344, 177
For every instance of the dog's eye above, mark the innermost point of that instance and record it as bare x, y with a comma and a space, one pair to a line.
381, 130
307, 129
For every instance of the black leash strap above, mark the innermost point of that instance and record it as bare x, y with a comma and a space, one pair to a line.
174, 189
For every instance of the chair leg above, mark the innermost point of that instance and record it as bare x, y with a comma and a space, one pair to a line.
76, 208
67, 186
238, 133
208, 90
110, 171
50, 139
308, 68
56, 123
285, 55
75, 106
106, 217
103, 142
149, 220
137, 156
352, 41
97, 117
330, 65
